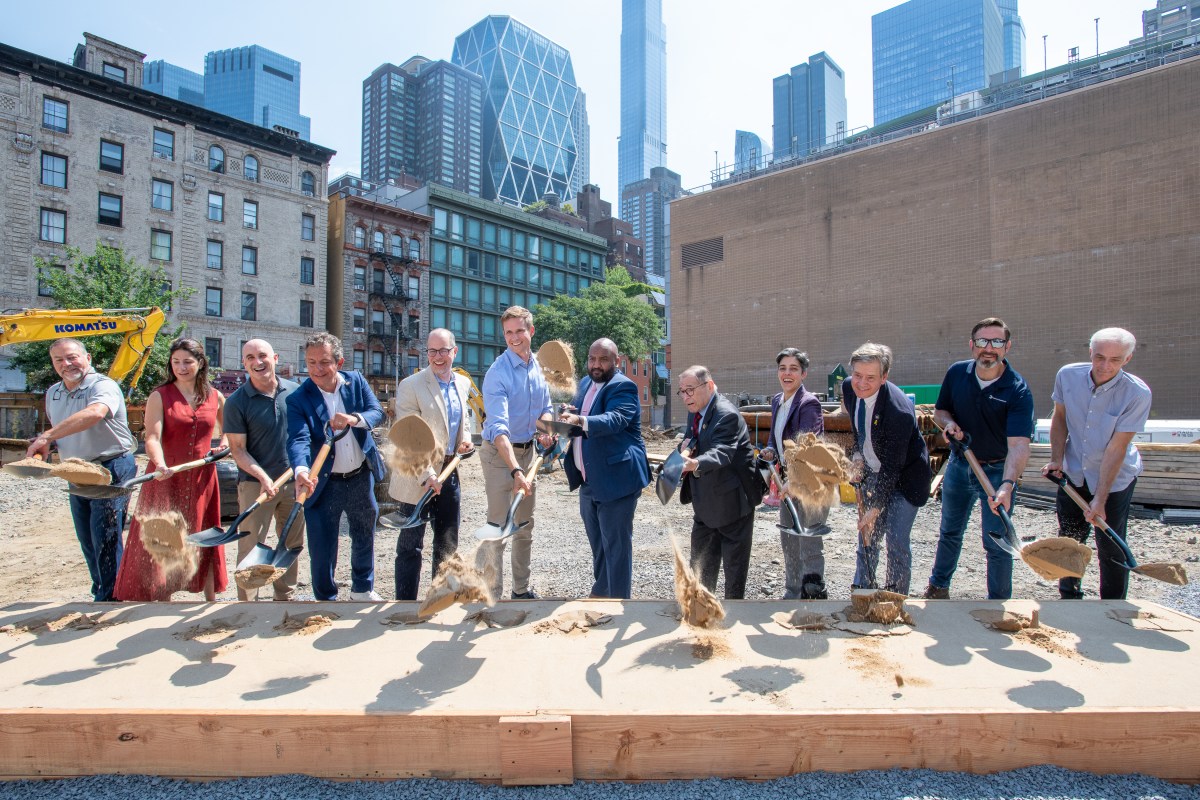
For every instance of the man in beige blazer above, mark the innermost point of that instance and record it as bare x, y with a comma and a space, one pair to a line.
439, 396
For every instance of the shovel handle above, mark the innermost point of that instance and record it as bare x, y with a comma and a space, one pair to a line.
453, 465
315, 469
280, 481
200, 462
1101, 525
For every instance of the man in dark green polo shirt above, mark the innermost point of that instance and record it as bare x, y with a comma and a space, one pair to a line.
256, 423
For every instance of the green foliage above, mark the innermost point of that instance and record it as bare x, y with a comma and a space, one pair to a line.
569, 209
617, 275
533, 208
600, 311
103, 279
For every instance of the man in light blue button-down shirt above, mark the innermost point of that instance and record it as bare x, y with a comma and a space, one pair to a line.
1098, 408
515, 397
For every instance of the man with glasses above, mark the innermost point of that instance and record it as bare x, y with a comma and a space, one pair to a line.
720, 482
987, 399
439, 396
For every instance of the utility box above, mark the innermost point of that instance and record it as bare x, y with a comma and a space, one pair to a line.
835, 382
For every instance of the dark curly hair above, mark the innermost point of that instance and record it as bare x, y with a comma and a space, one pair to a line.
191, 346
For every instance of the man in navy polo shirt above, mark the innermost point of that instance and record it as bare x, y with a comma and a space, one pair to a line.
987, 399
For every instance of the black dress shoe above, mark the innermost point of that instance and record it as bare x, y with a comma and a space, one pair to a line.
530, 595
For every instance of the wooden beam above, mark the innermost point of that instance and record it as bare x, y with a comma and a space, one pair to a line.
536, 751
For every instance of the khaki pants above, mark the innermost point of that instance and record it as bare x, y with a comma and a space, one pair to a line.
498, 482
259, 525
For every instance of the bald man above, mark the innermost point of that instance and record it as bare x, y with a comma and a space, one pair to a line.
256, 423
607, 464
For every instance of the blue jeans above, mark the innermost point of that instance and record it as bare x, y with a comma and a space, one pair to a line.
1114, 580
960, 490
354, 497
609, 528
98, 526
893, 528
443, 509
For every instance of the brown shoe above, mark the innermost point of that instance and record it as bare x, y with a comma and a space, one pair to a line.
937, 592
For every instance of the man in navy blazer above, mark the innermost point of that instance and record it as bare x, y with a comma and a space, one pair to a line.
896, 477
346, 483
607, 463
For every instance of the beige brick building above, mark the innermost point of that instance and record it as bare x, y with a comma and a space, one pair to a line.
235, 211
1062, 216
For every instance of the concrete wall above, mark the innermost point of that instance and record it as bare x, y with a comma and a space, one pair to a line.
1062, 216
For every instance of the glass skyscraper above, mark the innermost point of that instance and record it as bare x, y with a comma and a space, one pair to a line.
923, 51
175, 82
748, 152
1014, 36
423, 118
256, 85
809, 107
583, 146
643, 142
529, 99
645, 203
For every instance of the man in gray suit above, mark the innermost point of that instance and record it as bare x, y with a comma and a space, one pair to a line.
719, 481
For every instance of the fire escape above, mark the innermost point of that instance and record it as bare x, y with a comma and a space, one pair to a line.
396, 300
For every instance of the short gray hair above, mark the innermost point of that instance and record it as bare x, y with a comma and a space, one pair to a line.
1118, 335
323, 338
870, 351
698, 372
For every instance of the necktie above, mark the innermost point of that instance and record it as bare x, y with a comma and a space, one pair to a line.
584, 410
862, 424
695, 425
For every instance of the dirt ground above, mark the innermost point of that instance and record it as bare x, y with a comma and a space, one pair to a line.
42, 560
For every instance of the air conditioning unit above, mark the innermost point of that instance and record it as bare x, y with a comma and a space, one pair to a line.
360, 330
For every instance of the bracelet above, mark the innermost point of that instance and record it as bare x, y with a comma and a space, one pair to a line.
515, 471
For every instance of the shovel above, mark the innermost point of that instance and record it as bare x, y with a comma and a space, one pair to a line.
796, 528
1007, 539
417, 516
496, 533
217, 535
61, 470
670, 474
1167, 572
127, 487
281, 556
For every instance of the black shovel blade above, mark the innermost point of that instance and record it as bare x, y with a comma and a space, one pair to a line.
261, 554
286, 558
104, 492
214, 537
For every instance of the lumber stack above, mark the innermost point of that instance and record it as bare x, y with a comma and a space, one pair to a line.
1170, 477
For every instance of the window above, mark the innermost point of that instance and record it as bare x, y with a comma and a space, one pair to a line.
249, 214
212, 350
397, 245
43, 283
306, 271
114, 72
360, 320
303, 365
54, 114
414, 287
164, 144
377, 281
377, 323
249, 306
162, 194
250, 168
216, 207
360, 237
308, 184
414, 327
54, 226
439, 221
249, 260
306, 313
216, 254
360, 277
473, 227
376, 362
160, 245
216, 159
360, 360
110, 210
54, 170
377, 241
414, 364
456, 226
414, 249
437, 287
212, 302
308, 227
112, 157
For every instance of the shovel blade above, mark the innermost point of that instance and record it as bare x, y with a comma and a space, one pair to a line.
214, 537
489, 533
261, 554
27, 472
663, 490
286, 558
102, 492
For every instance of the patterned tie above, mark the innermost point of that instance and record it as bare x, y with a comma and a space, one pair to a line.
584, 410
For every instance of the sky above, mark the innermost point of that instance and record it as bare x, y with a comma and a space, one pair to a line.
721, 56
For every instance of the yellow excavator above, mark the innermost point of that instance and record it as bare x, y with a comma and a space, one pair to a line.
139, 326
474, 398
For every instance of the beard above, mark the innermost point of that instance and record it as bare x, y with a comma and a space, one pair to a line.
601, 376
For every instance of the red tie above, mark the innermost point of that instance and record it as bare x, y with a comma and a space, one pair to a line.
588, 399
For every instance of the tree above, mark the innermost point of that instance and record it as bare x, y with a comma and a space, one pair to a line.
103, 279
600, 311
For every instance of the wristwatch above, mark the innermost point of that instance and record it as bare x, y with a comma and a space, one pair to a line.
516, 471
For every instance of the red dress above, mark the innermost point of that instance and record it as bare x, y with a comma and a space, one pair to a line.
186, 436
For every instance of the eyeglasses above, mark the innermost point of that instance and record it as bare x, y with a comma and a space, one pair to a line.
997, 343
687, 392
441, 351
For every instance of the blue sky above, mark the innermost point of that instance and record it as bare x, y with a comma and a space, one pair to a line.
721, 56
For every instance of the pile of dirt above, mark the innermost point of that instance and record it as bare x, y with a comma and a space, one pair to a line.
306, 624
1006, 621
164, 535
499, 617
801, 620
697, 605
879, 606
403, 618
84, 473
257, 576
215, 631
1167, 571
815, 470
414, 450
573, 622
1057, 557
456, 582
72, 621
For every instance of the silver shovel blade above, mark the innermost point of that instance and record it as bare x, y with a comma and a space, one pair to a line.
261, 554
670, 476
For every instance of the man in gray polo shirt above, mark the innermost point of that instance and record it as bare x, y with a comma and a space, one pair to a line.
1098, 407
256, 423
87, 418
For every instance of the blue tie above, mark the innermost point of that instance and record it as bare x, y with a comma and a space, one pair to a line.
862, 424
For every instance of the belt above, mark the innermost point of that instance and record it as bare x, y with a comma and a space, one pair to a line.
523, 445
342, 476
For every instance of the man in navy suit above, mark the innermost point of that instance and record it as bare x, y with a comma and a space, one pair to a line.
895, 463
346, 483
607, 463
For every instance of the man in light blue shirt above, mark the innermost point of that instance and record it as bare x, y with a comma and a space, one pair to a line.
1098, 407
515, 397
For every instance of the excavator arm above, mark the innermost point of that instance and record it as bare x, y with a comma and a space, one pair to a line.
474, 397
139, 326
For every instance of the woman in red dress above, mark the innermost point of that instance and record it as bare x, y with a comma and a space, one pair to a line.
181, 416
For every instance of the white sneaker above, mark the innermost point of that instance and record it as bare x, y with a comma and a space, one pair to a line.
366, 597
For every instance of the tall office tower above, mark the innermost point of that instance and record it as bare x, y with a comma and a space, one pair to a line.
583, 145
645, 203
809, 105
1014, 37
748, 153
258, 86
423, 119
528, 141
1170, 16
643, 142
925, 51
174, 82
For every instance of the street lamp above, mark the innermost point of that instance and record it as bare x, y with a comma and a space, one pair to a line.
1044, 67
1097, 42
